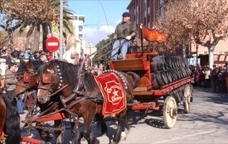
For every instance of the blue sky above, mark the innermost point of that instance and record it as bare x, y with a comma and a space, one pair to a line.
101, 16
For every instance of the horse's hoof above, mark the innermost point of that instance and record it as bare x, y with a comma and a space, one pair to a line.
112, 142
97, 141
123, 136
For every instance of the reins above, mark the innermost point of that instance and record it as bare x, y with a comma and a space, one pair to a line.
19, 74
39, 87
66, 108
88, 56
112, 50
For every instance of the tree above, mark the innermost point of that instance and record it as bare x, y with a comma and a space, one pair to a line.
38, 14
3, 40
172, 23
10, 26
104, 49
31, 11
201, 22
210, 25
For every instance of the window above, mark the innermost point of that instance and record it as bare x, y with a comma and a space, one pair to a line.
80, 28
75, 17
82, 18
162, 12
148, 3
161, 2
148, 25
80, 35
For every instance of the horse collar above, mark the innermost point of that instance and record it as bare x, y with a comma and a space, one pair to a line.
60, 77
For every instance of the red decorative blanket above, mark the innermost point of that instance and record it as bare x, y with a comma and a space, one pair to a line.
113, 93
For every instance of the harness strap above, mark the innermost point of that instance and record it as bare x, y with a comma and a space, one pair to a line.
44, 88
111, 50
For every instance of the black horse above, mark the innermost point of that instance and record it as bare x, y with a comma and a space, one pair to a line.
58, 76
9, 121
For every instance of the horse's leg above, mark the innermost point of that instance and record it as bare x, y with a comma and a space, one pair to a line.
87, 133
59, 133
126, 125
120, 131
76, 135
101, 123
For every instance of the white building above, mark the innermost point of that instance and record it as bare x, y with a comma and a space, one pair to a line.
76, 42
90, 49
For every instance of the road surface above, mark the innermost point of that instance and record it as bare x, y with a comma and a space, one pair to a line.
207, 123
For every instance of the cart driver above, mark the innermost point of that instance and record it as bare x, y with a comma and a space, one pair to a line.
124, 34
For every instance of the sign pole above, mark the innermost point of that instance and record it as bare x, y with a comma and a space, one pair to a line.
61, 31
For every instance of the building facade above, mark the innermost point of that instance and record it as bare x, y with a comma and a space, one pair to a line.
146, 12
76, 42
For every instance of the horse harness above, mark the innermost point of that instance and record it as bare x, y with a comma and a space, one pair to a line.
27, 78
69, 102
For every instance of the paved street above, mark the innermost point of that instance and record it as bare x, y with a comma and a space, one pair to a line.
207, 123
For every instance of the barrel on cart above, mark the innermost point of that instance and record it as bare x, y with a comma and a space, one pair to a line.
165, 78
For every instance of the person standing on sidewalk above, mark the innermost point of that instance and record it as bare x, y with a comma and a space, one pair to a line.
207, 74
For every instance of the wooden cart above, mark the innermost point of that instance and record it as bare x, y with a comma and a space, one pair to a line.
148, 97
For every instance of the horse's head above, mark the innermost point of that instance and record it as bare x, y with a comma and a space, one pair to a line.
56, 77
27, 76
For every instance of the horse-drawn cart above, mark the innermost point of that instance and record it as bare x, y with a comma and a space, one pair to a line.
161, 77
161, 83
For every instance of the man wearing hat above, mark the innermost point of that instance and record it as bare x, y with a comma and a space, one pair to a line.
124, 33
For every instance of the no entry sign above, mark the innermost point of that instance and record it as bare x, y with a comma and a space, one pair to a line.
52, 44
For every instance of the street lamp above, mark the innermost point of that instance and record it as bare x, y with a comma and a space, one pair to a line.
61, 31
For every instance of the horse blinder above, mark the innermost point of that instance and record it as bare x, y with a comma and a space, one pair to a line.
46, 78
26, 77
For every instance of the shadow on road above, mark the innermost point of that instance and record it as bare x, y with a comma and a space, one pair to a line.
153, 119
217, 119
219, 98
156, 123
212, 109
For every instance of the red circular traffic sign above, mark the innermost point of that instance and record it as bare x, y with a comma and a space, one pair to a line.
52, 44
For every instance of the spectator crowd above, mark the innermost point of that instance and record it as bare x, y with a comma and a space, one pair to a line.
9, 64
217, 78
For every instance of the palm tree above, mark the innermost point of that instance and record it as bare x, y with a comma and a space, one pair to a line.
46, 26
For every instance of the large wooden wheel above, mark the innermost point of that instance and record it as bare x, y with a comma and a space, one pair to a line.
187, 99
170, 112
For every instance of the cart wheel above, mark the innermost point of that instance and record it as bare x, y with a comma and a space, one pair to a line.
187, 99
170, 112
